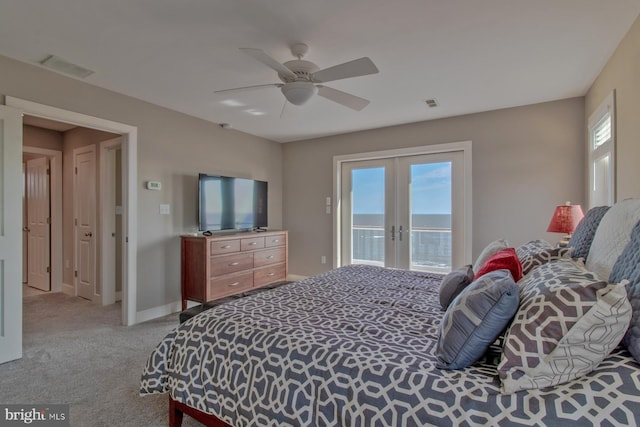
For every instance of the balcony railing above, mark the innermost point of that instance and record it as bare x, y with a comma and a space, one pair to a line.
430, 247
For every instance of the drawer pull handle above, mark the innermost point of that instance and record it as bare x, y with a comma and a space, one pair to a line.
226, 247
276, 241
270, 257
233, 263
271, 274
234, 284
253, 243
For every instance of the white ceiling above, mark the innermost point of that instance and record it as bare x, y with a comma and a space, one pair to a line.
470, 55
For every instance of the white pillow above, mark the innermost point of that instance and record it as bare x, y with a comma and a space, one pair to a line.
612, 235
490, 249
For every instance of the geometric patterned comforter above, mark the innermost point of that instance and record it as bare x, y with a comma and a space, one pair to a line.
355, 347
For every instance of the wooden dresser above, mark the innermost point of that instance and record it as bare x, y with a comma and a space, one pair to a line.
217, 266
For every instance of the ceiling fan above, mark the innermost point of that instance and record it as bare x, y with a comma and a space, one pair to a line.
302, 79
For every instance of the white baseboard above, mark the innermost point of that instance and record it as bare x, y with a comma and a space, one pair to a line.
296, 277
68, 289
155, 312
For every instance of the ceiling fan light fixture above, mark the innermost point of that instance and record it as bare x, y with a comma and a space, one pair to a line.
298, 93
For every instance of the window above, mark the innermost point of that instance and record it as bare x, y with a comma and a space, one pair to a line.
602, 165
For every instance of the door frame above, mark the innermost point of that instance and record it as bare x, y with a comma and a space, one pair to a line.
55, 188
129, 178
464, 146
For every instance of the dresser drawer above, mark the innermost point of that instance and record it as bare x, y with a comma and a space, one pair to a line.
266, 275
276, 240
226, 264
229, 285
251, 244
224, 246
269, 256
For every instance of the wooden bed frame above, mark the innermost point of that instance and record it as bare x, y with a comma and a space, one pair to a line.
177, 410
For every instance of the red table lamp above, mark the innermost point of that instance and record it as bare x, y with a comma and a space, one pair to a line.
565, 219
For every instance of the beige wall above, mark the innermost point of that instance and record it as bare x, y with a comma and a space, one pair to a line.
622, 73
526, 161
172, 148
33, 136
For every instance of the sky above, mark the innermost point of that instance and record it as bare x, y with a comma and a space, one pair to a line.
430, 189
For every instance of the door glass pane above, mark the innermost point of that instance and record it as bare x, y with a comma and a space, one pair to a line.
367, 216
430, 201
600, 193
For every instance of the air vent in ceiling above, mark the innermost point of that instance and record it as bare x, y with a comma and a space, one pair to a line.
62, 66
431, 103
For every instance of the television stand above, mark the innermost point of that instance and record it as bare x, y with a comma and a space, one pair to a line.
216, 266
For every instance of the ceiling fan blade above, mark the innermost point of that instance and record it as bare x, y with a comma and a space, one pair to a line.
355, 68
344, 98
263, 57
242, 89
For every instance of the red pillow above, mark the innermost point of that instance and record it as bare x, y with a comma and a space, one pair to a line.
504, 259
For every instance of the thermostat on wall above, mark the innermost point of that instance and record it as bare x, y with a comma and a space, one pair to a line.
154, 185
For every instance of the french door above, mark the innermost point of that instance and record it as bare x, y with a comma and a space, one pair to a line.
404, 212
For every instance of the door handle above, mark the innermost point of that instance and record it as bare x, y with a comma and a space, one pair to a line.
393, 232
89, 234
400, 233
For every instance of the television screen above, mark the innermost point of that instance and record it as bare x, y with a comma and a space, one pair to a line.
228, 203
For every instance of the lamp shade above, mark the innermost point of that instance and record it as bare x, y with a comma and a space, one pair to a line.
565, 219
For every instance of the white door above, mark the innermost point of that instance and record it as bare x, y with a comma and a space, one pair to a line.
404, 212
10, 234
430, 212
85, 220
111, 214
38, 223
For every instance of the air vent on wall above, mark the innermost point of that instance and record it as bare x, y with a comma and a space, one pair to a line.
62, 66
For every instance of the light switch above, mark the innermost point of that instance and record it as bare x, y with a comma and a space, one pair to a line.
165, 209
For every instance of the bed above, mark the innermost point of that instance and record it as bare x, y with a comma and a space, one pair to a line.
362, 346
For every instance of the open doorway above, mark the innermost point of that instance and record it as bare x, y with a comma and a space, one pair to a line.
128, 149
91, 181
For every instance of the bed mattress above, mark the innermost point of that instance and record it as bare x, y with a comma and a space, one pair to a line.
355, 347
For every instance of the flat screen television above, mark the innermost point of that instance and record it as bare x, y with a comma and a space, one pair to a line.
228, 203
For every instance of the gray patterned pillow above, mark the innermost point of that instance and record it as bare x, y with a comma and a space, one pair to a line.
532, 247
475, 319
627, 267
567, 323
583, 235
453, 283
544, 256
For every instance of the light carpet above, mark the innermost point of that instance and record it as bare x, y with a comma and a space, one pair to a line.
78, 353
